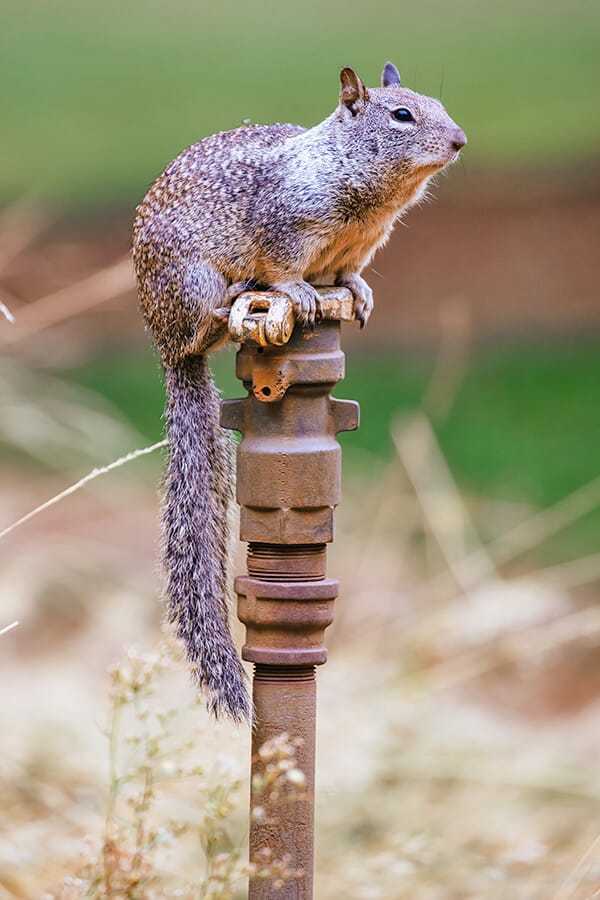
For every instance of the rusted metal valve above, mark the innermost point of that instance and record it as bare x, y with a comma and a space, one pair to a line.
288, 484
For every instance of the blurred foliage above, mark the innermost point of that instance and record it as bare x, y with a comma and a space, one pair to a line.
523, 425
96, 98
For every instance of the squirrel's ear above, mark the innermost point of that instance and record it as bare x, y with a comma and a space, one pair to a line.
353, 93
390, 75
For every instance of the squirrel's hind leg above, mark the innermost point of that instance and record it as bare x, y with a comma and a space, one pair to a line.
178, 297
206, 302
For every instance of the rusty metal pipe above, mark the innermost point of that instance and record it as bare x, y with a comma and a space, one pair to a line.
288, 484
285, 700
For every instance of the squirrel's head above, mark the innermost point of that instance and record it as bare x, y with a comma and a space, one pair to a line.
398, 125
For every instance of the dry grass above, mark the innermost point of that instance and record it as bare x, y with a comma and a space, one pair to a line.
458, 739
458, 747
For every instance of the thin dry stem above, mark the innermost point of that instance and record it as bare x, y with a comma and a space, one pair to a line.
451, 361
6, 312
20, 224
103, 285
574, 877
95, 473
443, 507
536, 529
525, 536
548, 636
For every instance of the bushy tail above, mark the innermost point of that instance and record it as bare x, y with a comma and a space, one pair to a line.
198, 494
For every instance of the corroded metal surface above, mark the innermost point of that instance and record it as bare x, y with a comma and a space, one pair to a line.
262, 318
285, 621
284, 703
288, 484
289, 461
268, 318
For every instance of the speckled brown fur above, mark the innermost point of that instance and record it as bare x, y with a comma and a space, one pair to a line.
280, 207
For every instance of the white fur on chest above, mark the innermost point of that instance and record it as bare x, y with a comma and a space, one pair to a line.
350, 246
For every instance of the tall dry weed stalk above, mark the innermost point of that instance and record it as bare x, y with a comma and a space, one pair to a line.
149, 849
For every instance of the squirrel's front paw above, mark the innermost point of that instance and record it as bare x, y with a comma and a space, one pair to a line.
306, 300
363, 296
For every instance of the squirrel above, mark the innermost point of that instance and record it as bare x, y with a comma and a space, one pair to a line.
274, 208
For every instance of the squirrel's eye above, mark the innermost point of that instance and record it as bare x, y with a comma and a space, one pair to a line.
402, 115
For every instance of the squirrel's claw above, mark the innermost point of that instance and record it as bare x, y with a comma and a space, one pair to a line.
305, 299
363, 296
221, 314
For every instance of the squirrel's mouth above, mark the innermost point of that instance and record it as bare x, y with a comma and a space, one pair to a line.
452, 157
434, 166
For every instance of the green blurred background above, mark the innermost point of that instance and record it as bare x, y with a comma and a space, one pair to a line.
96, 98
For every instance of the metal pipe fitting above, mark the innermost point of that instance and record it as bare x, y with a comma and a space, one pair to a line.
288, 485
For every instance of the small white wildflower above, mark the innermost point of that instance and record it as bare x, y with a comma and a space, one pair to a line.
296, 777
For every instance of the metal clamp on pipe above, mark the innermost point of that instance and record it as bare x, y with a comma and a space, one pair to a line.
267, 318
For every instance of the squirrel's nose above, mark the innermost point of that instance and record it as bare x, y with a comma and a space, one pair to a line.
459, 139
